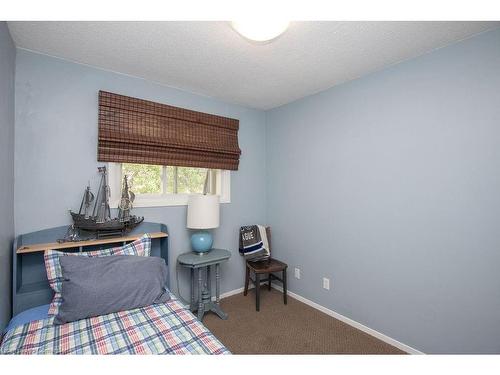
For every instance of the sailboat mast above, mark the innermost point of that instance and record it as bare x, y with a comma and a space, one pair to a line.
97, 198
107, 193
104, 211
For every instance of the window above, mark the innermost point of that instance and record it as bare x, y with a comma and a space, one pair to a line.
156, 185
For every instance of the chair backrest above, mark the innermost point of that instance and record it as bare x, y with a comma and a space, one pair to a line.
268, 232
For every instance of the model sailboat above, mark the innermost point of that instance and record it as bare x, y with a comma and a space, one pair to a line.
100, 220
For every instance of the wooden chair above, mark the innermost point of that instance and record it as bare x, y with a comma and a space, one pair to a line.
266, 267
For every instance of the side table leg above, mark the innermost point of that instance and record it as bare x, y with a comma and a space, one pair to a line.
192, 306
209, 283
217, 283
200, 296
216, 306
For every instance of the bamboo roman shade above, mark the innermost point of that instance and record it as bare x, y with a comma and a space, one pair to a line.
139, 131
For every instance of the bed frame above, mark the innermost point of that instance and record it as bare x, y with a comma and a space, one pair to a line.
30, 287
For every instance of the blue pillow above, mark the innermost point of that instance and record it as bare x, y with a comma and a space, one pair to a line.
99, 286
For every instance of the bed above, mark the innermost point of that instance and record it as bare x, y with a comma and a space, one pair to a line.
165, 328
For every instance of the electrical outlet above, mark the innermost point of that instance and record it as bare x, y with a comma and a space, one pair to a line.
326, 283
297, 273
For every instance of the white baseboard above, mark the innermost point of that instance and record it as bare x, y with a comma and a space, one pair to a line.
232, 293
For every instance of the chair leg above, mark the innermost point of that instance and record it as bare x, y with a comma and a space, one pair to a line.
257, 292
270, 276
284, 286
247, 277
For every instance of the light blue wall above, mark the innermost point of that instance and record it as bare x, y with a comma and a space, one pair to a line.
7, 69
390, 186
56, 140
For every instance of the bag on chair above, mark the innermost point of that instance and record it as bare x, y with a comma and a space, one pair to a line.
254, 244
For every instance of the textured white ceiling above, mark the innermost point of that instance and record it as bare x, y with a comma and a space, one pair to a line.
209, 58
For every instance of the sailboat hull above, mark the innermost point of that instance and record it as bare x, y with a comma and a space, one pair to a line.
113, 225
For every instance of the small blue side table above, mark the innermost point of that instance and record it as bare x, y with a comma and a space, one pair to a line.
197, 262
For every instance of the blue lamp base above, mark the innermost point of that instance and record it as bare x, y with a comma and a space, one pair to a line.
201, 242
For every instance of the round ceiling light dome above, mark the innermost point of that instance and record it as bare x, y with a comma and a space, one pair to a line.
261, 31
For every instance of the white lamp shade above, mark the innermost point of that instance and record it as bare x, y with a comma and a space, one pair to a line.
203, 211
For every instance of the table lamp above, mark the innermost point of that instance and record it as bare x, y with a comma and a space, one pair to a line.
203, 214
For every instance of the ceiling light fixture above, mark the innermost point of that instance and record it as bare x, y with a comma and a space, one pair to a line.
261, 31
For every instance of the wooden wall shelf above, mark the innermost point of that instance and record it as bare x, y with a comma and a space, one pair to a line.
33, 248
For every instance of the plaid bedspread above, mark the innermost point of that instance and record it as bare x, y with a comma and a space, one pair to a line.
157, 329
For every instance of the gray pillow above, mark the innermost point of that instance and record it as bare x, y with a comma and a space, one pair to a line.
98, 286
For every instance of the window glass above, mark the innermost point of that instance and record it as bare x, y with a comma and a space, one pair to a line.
156, 179
190, 180
144, 179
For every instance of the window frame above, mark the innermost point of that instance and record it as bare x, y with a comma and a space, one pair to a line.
115, 178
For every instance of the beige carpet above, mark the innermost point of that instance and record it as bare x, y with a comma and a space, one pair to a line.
295, 328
